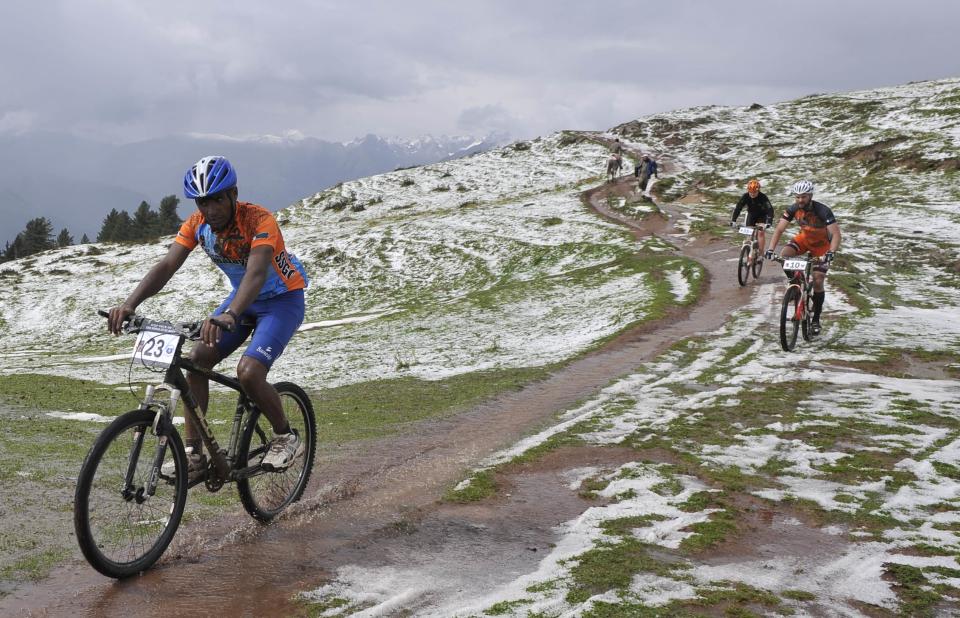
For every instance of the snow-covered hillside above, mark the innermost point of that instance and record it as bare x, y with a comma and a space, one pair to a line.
471, 264
819, 482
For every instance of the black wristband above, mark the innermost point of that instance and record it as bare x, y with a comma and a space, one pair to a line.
232, 314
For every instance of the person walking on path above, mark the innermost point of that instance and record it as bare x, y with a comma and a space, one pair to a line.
648, 171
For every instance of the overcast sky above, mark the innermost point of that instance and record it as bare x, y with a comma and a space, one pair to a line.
126, 70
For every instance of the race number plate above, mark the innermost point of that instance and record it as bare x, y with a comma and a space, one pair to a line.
746, 231
794, 264
155, 348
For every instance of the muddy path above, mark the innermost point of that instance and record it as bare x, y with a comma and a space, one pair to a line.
376, 502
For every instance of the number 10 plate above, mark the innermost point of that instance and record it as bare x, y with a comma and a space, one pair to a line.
155, 348
794, 264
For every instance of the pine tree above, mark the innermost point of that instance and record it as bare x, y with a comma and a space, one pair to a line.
14, 250
38, 236
145, 223
84, 240
125, 228
108, 230
17, 248
64, 239
169, 221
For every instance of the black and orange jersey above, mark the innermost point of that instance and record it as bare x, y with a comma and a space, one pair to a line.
813, 222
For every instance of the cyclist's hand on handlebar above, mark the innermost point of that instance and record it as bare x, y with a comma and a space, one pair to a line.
768, 254
828, 256
214, 326
118, 315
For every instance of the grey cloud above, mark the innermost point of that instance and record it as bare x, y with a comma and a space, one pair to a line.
486, 118
126, 71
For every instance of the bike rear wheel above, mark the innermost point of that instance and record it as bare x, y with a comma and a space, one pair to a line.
743, 266
121, 530
265, 494
757, 263
789, 325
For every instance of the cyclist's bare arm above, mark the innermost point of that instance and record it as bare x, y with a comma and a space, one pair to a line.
834, 231
257, 264
152, 283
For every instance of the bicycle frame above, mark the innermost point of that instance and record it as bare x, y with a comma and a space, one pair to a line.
127, 511
803, 281
175, 382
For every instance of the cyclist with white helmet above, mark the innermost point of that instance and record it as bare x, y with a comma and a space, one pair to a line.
759, 209
245, 242
819, 234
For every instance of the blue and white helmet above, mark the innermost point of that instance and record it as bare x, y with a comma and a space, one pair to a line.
208, 176
802, 186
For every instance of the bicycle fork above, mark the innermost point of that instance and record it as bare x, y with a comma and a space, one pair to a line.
801, 302
162, 422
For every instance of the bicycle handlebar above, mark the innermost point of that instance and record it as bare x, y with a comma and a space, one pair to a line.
781, 259
191, 330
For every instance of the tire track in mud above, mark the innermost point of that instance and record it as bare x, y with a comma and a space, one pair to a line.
364, 496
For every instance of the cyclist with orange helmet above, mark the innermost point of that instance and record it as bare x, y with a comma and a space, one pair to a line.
819, 234
758, 208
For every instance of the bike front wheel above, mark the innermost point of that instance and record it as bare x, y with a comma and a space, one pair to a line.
805, 324
265, 494
789, 325
743, 266
121, 529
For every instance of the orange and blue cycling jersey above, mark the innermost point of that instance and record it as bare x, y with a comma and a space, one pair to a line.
814, 236
252, 226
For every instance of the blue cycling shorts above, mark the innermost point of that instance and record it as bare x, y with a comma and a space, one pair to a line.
277, 318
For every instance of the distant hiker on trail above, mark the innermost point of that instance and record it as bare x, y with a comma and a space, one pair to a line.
615, 162
648, 171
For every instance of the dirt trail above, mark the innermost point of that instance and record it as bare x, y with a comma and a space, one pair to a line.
371, 501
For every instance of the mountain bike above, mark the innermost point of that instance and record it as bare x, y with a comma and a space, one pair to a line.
127, 509
751, 254
796, 313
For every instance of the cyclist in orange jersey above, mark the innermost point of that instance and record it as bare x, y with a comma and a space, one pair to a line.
268, 281
819, 234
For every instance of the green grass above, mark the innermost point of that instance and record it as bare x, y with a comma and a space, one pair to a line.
611, 566
482, 485
381, 407
707, 534
624, 526
798, 595
506, 607
45, 392
917, 596
315, 609
34, 567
